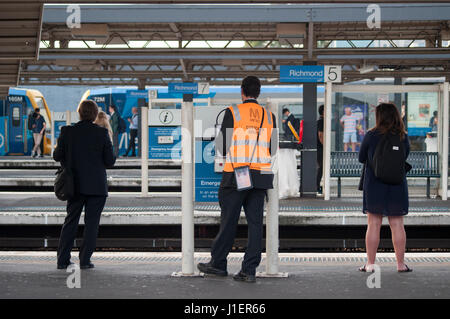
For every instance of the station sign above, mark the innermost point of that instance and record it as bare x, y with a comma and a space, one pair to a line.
184, 88
310, 73
164, 117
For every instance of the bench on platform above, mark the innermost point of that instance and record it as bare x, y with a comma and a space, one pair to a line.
346, 164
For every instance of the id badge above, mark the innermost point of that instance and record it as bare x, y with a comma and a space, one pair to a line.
243, 178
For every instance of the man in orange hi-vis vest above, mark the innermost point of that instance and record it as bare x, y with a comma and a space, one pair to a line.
248, 139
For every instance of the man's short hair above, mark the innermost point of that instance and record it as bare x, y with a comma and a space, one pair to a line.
321, 110
251, 86
113, 107
38, 110
285, 110
88, 110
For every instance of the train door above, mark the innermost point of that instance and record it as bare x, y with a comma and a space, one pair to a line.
16, 125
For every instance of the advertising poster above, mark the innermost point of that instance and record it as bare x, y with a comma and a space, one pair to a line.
359, 114
421, 106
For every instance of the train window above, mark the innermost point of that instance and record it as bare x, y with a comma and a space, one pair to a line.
16, 116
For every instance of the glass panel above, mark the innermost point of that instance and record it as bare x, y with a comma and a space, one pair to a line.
354, 114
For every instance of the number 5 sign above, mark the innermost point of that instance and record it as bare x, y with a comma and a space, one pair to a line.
332, 73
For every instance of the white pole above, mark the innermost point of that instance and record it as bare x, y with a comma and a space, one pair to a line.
272, 212
68, 120
327, 140
445, 136
144, 151
52, 133
187, 203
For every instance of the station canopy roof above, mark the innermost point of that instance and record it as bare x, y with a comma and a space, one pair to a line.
151, 44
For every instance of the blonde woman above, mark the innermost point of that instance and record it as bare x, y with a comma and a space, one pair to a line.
103, 121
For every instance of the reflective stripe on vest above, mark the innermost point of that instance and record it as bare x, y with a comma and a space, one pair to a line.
247, 120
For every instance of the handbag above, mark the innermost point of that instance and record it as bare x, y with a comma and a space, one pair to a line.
64, 182
361, 179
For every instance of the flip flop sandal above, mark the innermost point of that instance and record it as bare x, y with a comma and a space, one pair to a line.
364, 269
406, 270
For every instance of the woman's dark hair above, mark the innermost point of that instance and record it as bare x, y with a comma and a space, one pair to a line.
251, 86
388, 120
88, 110
321, 110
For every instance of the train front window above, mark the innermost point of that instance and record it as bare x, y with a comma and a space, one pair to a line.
16, 116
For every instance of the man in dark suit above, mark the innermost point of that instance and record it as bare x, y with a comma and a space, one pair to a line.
289, 118
91, 153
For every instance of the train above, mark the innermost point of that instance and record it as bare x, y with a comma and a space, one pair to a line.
15, 138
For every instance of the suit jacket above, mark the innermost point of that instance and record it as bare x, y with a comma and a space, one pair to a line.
114, 122
287, 130
92, 153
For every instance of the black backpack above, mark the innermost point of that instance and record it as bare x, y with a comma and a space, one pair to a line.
389, 160
122, 125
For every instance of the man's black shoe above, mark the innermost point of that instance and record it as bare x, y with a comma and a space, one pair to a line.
207, 268
88, 266
64, 266
241, 276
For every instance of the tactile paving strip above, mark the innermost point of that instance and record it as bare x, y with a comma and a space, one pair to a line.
202, 207
175, 259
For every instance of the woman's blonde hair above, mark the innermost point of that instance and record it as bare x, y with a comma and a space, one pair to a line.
102, 121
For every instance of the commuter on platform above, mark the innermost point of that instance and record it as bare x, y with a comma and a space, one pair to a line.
38, 126
385, 191
103, 121
319, 150
91, 153
133, 132
245, 138
434, 122
114, 121
290, 118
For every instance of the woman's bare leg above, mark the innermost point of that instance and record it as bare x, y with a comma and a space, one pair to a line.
374, 222
398, 240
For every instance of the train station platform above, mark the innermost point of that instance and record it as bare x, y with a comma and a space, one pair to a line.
148, 275
165, 209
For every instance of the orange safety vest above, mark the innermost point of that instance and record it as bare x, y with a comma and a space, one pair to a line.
247, 120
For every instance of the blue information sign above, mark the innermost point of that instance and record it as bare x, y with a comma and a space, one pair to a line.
302, 73
184, 88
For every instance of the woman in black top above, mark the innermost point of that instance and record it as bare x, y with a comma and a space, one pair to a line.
380, 199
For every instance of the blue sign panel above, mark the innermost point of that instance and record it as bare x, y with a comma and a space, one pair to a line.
164, 142
184, 88
207, 182
302, 73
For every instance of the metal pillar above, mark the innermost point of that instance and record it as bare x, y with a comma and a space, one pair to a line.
187, 187
68, 120
272, 241
327, 140
308, 187
144, 151
445, 137
52, 133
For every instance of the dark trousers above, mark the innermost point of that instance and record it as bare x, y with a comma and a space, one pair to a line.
231, 201
132, 145
320, 167
116, 143
93, 207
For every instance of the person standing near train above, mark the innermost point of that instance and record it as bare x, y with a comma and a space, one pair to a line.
245, 138
114, 122
90, 150
38, 126
133, 132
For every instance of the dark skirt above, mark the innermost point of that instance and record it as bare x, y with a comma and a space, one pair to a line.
384, 199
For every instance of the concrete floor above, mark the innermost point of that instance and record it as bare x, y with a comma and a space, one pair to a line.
34, 275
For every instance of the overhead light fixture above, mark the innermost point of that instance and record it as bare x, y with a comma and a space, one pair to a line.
293, 33
91, 31
367, 68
